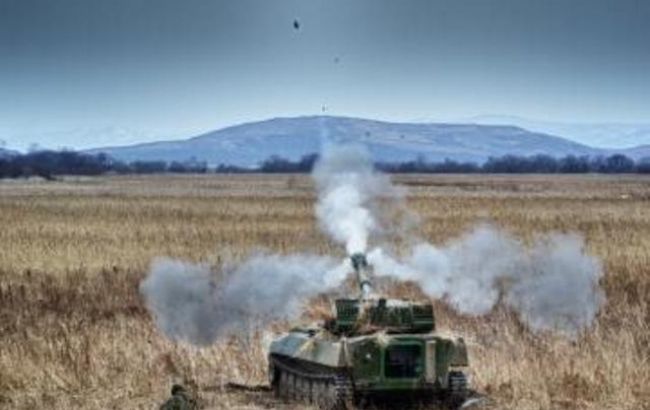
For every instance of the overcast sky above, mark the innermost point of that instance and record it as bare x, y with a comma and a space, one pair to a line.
174, 68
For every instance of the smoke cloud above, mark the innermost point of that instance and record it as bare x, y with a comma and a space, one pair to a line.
558, 285
551, 283
348, 188
189, 302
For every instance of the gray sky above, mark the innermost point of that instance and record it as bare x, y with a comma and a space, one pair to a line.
156, 68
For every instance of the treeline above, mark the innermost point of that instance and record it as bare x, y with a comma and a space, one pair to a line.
534, 164
49, 164
507, 164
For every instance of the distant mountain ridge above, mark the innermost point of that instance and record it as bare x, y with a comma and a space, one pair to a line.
251, 143
4, 153
606, 135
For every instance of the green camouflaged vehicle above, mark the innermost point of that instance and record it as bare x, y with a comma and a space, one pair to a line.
373, 348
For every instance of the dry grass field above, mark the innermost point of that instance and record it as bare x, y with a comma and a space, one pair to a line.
74, 332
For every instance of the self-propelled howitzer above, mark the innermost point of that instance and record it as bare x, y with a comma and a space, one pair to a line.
372, 347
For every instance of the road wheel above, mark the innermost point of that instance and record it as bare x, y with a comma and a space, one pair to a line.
274, 379
283, 385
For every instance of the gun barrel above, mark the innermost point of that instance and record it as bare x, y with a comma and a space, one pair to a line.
362, 269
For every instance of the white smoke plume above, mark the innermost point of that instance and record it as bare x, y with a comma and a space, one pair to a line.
190, 303
348, 188
558, 285
551, 285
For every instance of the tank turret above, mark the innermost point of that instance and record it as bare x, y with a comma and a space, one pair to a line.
370, 313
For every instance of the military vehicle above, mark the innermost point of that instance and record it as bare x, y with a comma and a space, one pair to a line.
373, 348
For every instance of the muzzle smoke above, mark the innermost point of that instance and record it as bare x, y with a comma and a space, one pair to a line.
348, 188
190, 303
551, 284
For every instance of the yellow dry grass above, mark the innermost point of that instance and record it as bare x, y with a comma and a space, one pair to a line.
74, 332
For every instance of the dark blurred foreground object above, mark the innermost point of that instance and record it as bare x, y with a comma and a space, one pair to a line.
296, 24
180, 400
